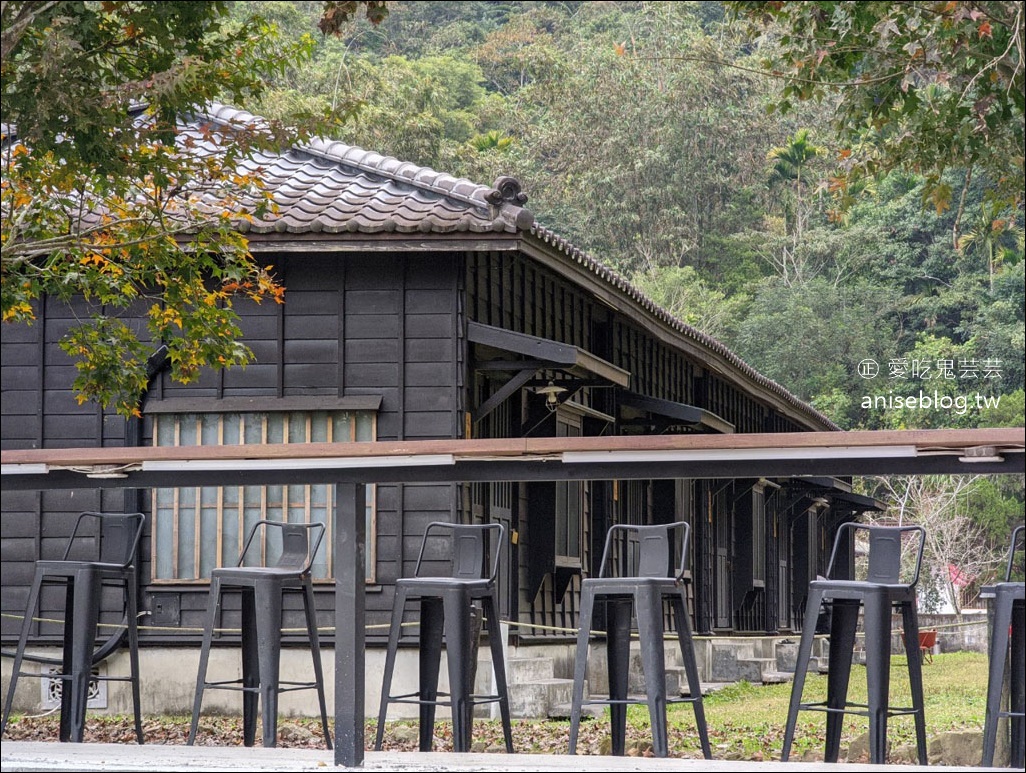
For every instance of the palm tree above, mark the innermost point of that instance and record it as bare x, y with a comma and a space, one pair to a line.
986, 237
493, 140
791, 168
790, 163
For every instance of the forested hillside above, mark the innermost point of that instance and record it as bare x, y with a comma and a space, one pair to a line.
650, 134
646, 134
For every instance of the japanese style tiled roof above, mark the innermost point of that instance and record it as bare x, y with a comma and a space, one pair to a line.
323, 186
330, 187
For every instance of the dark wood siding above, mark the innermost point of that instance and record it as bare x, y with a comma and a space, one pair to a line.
350, 325
21, 384
391, 325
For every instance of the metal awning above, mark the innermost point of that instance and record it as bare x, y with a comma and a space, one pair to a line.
671, 413
546, 353
856, 503
835, 491
532, 354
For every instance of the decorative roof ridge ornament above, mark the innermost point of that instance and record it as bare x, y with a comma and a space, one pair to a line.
506, 189
506, 192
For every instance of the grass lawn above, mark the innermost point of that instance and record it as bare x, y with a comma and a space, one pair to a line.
749, 719
745, 721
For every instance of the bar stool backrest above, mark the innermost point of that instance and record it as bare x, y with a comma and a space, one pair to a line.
474, 548
654, 551
1016, 548
297, 547
112, 537
886, 547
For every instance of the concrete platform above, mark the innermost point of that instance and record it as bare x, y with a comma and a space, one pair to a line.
17, 756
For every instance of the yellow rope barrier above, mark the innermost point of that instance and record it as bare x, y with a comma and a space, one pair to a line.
512, 624
186, 629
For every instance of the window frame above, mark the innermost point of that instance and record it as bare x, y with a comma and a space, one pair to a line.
228, 511
563, 498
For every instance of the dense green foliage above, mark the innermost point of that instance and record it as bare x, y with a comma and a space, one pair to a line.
923, 87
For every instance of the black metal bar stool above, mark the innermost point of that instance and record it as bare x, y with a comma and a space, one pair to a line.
262, 589
114, 539
644, 580
446, 607
1009, 628
881, 591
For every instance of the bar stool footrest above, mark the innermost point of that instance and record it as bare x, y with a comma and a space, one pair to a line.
413, 697
637, 699
850, 708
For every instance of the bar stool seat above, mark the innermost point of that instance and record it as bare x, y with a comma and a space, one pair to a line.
446, 607
1007, 643
115, 538
875, 596
645, 581
262, 589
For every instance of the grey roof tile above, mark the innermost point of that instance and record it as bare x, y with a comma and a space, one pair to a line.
331, 187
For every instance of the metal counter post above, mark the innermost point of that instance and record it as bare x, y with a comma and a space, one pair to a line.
350, 613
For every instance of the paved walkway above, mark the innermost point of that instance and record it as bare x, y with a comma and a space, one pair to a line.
38, 756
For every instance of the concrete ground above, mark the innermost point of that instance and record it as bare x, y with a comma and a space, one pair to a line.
17, 756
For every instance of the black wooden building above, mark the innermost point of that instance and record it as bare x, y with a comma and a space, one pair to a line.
421, 306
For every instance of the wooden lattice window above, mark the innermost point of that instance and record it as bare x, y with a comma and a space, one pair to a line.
198, 529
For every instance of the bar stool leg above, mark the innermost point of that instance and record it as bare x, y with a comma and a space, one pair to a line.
878, 671
267, 597
581, 663
843, 622
251, 676
83, 633
66, 725
1017, 690
801, 667
687, 651
394, 632
458, 653
432, 620
618, 641
310, 612
914, 657
132, 605
495, 641
996, 679
653, 660
213, 603
19, 654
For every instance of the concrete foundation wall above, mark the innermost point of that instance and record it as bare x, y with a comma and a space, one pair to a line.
168, 682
